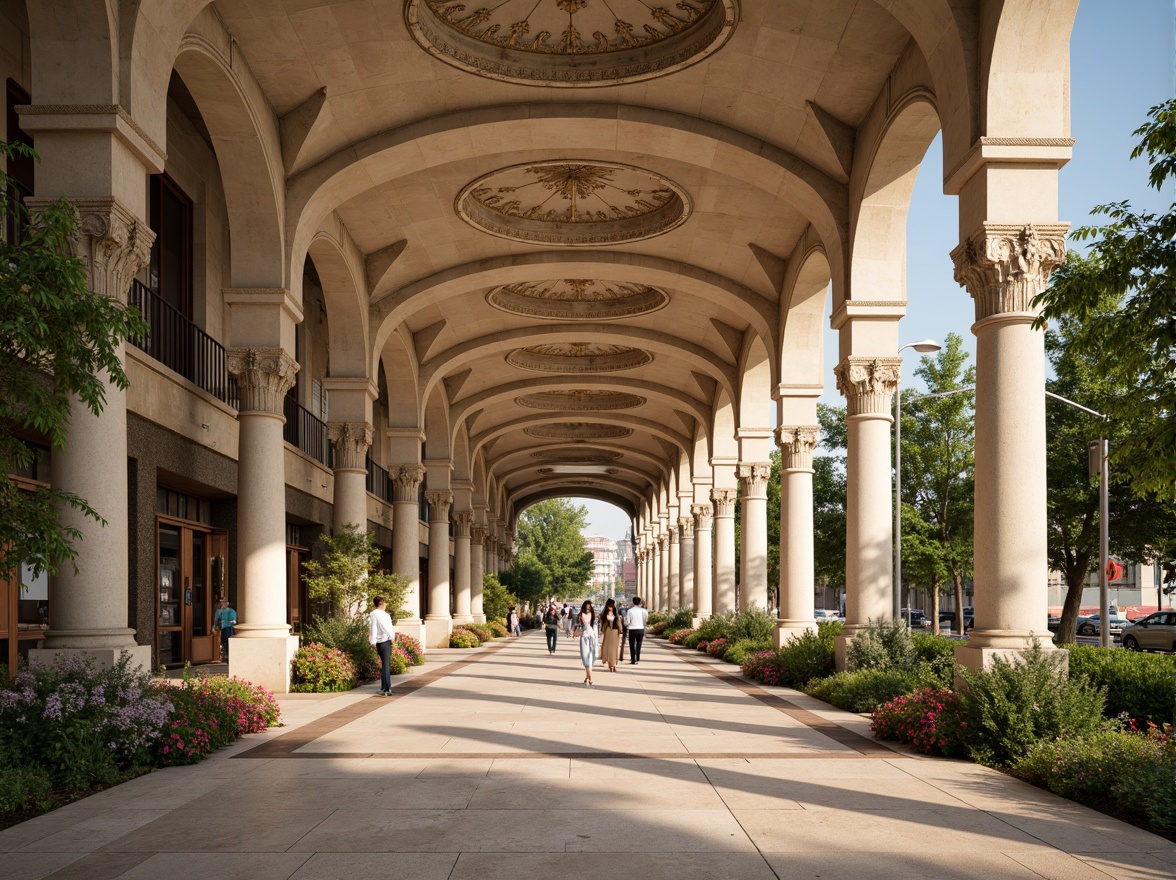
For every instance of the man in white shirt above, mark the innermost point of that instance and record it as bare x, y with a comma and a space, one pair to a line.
635, 619
381, 636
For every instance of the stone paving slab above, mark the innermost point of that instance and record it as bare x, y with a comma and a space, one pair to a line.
498, 763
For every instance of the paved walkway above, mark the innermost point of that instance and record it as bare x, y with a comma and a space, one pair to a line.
498, 763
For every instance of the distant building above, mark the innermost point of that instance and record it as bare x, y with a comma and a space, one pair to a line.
627, 564
604, 570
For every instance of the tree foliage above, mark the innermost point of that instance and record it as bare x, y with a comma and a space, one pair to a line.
1123, 301
528, 578
60, 345
829, 488
549, 533
347, 578
495, 598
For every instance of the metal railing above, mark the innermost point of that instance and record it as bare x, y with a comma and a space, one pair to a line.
305, 431
378, 482
180, 345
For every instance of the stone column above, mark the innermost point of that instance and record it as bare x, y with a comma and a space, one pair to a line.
89, 606
1004, 266
703, 560
406, 544
663, 569
724, 568
673, 561
262, 644
491, 555
351, 441
477, 568
797, 581
462, 600
438, 622
867, 384
686, 562
655, 577
753, 561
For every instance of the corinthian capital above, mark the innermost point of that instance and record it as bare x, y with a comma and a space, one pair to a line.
462, 521
439, 501
478, 535
112, 242
406, 482
867, 384
264, 375
724, 501
797, 443
686, 527
703, 516
1005, 266
351, 441
755, 477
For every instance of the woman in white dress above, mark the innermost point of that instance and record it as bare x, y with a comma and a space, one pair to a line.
586, 623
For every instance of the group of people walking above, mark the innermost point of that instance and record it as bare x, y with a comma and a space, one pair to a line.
601, 635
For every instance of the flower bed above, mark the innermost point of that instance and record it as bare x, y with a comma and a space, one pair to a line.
717, 648
317, 669
678, 635
928, 719
461, 639
209, 713
410, 647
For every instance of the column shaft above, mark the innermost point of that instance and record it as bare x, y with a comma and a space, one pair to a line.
439, 622
673, 579
753, 560
350, 441
406, 545
703, 560
686, 563
477, 569
462, 601
724, 567
797, 580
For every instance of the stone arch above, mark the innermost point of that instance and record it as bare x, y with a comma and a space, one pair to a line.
532, 496
480, 494
626, 473
479, 441
652, 467
724, 444
462, 469
400, 371
435, 421
337, 263
803, 305
74, 48
756, 381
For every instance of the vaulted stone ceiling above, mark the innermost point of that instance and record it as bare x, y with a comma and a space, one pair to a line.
582, 238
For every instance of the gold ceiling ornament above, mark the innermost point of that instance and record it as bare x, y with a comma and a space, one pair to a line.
578, 431
573, 202
571, 43
577, 299
582, 399
577, 456
578, 357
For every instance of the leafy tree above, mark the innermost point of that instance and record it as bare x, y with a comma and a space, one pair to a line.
495, 598
1133, 261
829, 490
347, 578
551, 532
59, 346
528, 578
938, 449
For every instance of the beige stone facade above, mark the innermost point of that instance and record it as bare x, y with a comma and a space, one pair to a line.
405, 272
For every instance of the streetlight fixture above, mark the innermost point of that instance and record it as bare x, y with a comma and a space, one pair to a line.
923, 346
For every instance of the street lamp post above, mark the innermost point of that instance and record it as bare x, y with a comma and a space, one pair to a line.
925, 346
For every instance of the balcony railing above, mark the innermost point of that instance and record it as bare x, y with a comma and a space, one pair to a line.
305, 431
181, 346
378, 482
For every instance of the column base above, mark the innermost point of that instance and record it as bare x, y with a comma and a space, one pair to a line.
786, 629
413, 627
263, 660
459, 619
104, 658
437, 632
976, 655
479, 618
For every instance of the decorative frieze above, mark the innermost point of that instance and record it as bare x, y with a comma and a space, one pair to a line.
724, 502
264, 375
462, 523
797, 443
1005, 266
755, 477
703, 516
351, 441
439, 501
867, 384
406, 483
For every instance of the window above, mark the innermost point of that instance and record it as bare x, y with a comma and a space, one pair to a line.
171, 254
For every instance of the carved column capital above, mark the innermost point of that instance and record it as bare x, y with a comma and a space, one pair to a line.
462, 522
478, 535
406, 482
755, 476
724, 502
264, 375
674, 534
663, 542
686, 527
703, 516
439, 501
351, 441
112, 242
1005, 266
797, 443
867, 384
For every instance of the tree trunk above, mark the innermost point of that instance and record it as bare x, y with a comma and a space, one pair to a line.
1075, 581
935, 604
958, 578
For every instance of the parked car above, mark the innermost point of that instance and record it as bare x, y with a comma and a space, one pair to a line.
916, 616
1156, 632
948, 618
824, 616
1089, 625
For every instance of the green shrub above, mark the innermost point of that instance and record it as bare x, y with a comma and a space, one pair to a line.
1127, 773
398, 661
683, 618
752, 623
462, 639
25, 788
470, 632
484, 632
830, 629
744, 648
938, 653
657, 629
802, 658
499, 629
411, 648
882, 644
693, 640
209, 713
1015, 704
717, 648
1138, 685
679, 635
317, 669
715, 627
657, 617
865, 689
350, 637
928, 719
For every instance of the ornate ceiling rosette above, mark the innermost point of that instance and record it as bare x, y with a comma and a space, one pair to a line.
581, 431
576, 455
578, 357
581, 399
573, 203
577, 299
571, 43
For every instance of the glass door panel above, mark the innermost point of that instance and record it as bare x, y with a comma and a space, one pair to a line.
201, 623
171, 642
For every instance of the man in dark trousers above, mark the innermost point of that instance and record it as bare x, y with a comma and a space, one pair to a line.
381, 635
635, 619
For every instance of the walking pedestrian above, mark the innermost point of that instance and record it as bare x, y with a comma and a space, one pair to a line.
224, 620
586, 624
512, 621
610, 635
567, 620
380, 635
635, 620
551, 627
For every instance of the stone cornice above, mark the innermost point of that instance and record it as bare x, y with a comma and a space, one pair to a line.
1037, 151
264, 375
754, 477
867, 384
1005, 266
112, 118
797, 443
263, 296
724, 502
406, 483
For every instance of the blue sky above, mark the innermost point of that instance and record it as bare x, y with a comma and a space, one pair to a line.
1121, 63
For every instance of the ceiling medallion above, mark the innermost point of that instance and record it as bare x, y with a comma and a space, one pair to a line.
578, 357
576, 456
581, 399
577, 299
578, 431
570, 43
573, 203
